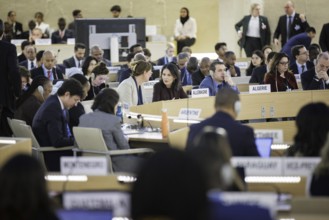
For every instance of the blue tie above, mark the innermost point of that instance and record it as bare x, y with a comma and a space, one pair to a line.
68, 131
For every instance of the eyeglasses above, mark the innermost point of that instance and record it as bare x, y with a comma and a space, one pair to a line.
284, 63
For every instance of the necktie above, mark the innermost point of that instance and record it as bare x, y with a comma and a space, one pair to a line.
49, 74
79, 65
66, 124
288, 27
32, 65
303, 68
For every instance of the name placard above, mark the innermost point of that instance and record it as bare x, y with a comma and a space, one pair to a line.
113, 69
189, 113
93, 166
158, 67
299, 166
17, 42
46, 41
242, 64
275, 134
255, 166
256, 89
198, 93
118, 202
70, 41
150, 84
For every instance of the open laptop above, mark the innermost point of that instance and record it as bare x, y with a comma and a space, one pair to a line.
82, 214
264, 146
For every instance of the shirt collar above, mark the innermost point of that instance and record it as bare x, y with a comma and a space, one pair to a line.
60, 101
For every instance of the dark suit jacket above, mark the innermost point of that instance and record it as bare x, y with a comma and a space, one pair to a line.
294, 68
28, 109
56, 38
297, 27
164, 60
258, 74
161, 92
237, 70
241, 137
24, 64
10, 79
25, 35
57, 73
18, 30
264, 27
299, 39
197, 77
70, 62
49, 129
324, 38
310, 81
21, 58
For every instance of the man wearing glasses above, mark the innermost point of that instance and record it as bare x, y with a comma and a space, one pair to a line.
317, 77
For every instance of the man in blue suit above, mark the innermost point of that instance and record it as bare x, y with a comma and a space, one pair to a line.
241, 137
304, 39
50, 123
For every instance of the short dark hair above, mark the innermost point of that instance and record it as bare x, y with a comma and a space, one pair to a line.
106, 100
131, 49
228, 54
213, 65
175, 72
295, 50
130, 56
81, 78
76, 12
61, 20
100, 69
24, 44
116, 8
219, 45
310, 29
72, 86
9, 13
226, 98
39, 55
192, 64
270, 56
79, 46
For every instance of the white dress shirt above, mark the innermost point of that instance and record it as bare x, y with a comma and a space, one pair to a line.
253, 27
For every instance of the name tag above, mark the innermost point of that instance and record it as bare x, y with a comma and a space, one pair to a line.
93, 166
17, 42
114, 69
189, 113
255, 166
255, 89
198, 93
298, 78
150, 84
118, 202
46, 41
275, 134
70, 41
299, 166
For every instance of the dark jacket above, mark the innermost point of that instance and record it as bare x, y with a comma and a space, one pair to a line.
324, 38
161, 93
28, 109
197, 77
164, 60
311, 82
294, 68
258, 74
56, 38
57, 73
279, 84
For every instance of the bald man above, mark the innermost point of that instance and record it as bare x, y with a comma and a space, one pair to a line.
289, 24
48, 68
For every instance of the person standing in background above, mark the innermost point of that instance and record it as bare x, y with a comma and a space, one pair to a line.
324, 38
256, 31
76, 14
289, 24
10, 83
116, 11
185, 30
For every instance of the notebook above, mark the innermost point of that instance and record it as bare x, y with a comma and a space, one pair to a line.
264, 146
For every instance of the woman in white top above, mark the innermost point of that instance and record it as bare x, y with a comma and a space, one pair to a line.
185, 30
130, 90
38, 16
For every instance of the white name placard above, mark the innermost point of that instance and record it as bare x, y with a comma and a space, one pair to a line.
113, 69
17, 42
275, 134
198, 93
158, 67
118, 202
70, 41
264, 88
255, 166
299, 166
242, 64
46, 41
189, 113
93, 166
150, 84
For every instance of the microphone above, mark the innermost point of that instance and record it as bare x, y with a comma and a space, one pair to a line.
140, 121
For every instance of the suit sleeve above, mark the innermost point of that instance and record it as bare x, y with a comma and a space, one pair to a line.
156, 93
268, 32
253, 78
14, 76
239, 24
309, 83
323, 38
182, 93
66, 64
118, 136
277, 31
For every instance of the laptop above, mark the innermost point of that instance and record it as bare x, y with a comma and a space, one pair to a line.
82, 214
264, 146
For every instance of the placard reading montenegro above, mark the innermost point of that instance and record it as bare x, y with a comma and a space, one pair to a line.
93, 166
189, 113
256, 89
255, 166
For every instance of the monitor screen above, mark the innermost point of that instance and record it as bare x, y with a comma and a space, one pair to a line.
264, 146
69, 214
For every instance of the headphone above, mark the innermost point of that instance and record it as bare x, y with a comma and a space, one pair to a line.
237, 107
41, 91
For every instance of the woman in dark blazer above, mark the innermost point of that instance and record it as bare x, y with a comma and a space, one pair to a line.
169, 86
256, 31
279, 77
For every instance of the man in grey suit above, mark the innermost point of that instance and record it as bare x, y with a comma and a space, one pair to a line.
97, 52
77, 59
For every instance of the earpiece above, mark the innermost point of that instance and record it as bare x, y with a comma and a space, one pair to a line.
41, 91
227, 175
237, 107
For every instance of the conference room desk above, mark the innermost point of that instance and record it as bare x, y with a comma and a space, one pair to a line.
151, 140
12, 146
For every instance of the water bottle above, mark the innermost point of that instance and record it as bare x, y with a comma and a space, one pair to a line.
164, 124
119, 112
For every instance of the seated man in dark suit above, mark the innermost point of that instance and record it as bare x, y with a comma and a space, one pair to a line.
97, 52
186, 76
31, 62
60, 36
229, 61
202, 72
77, 59
317, 77
48, 68
50, 123
169, 57
27, 34
258, 73
17, 27
302, 62
241, 137
76, 14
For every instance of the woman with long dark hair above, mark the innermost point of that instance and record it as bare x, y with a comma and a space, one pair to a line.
257, 60
279, 76
88, 66
97, 80
169, 86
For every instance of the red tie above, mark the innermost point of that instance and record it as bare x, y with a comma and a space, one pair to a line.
49, 74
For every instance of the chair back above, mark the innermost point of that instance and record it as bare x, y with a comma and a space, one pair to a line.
14, 125
25, 130
89, 139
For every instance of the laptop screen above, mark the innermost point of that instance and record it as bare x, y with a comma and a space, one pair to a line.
264, 146
79, 214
